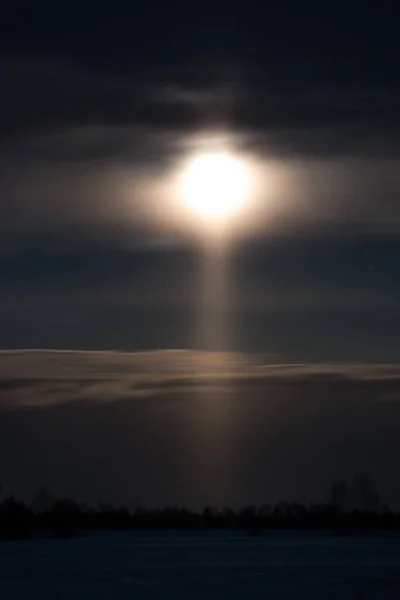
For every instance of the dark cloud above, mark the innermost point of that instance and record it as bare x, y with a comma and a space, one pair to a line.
310, 80
91, 151
124, 116
64, 98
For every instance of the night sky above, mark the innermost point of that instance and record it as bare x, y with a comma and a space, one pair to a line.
111, 384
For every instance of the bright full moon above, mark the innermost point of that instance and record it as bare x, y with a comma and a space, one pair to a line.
216, 185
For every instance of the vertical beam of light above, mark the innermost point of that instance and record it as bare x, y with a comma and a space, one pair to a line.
212, 395
213, 326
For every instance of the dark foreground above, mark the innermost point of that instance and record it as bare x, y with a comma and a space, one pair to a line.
202, 565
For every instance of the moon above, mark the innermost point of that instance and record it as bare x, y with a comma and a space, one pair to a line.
216, 186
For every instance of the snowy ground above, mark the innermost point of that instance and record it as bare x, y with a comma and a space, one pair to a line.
202, 565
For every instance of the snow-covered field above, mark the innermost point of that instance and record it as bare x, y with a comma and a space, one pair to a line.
202, 565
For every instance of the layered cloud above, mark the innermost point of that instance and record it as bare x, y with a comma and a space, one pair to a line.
48, 377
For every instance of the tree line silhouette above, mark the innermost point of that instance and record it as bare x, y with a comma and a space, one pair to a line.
350, 507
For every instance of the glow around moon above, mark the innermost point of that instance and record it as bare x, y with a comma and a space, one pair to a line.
215, 186
213, 190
